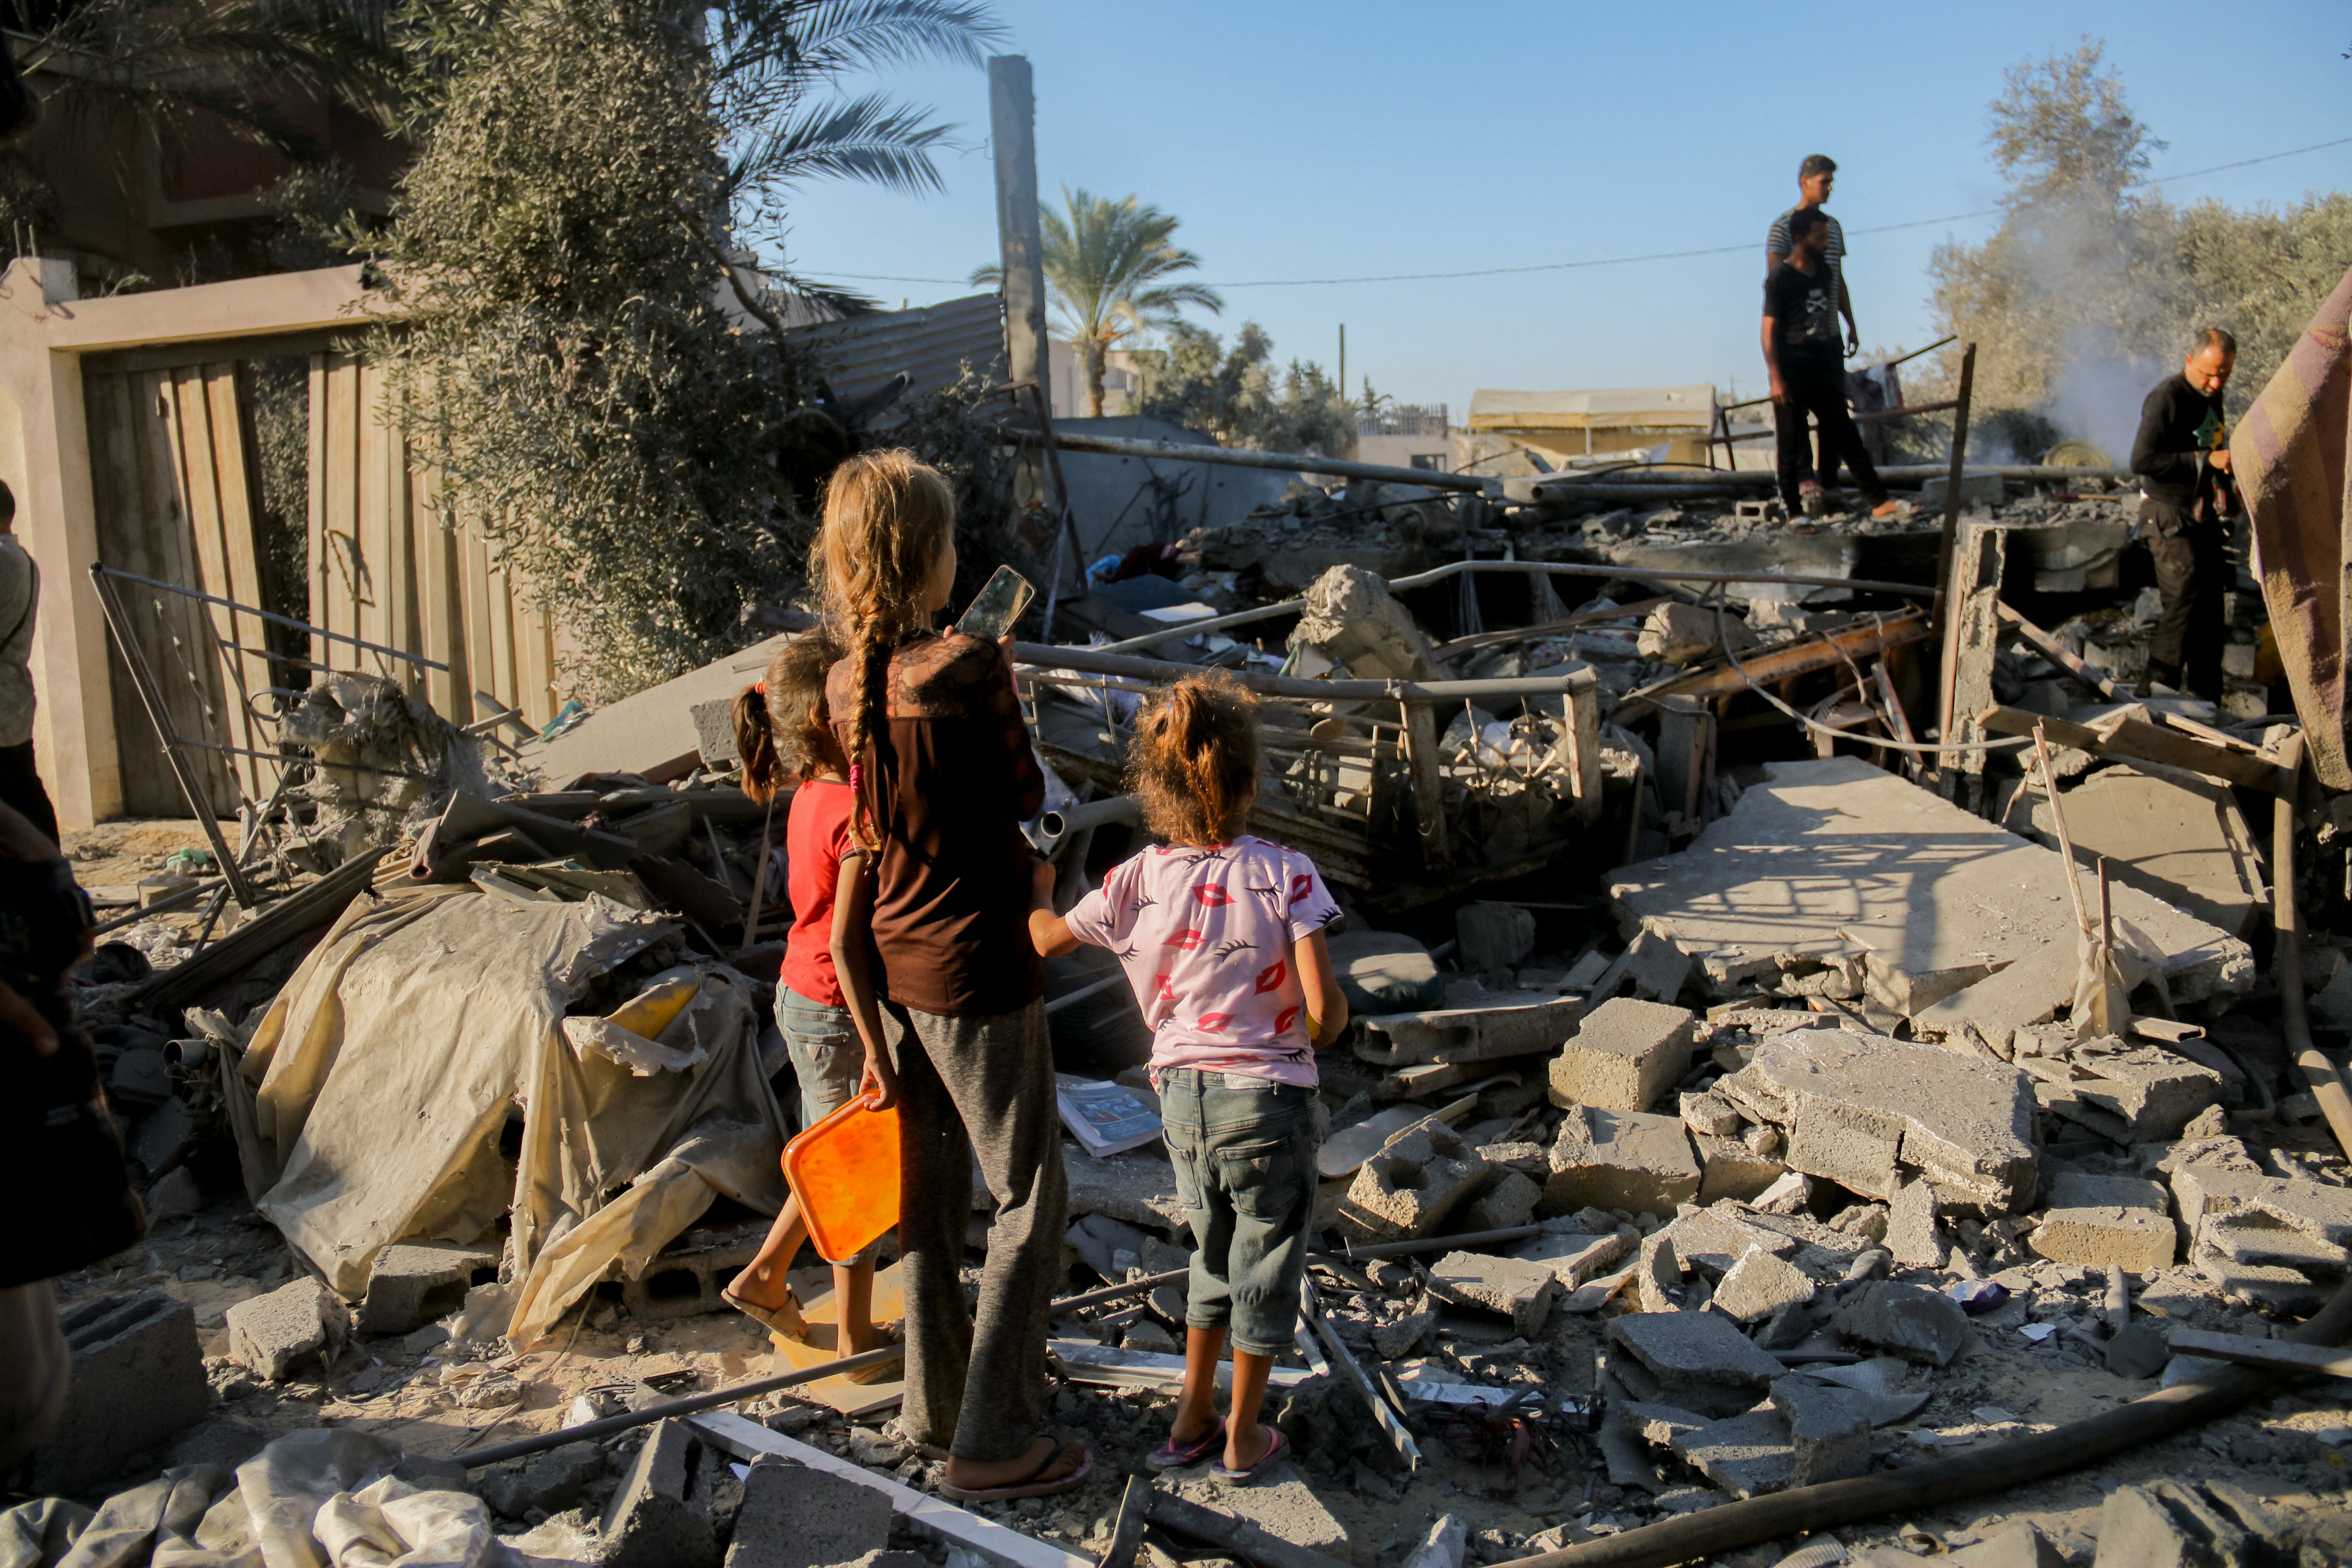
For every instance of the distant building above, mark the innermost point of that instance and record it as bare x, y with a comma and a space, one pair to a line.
1571, 429
1408, 435
1068, 381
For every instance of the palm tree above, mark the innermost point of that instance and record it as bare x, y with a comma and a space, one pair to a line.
1104, 262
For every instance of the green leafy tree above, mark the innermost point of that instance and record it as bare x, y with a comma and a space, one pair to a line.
1106, 264
1240, 396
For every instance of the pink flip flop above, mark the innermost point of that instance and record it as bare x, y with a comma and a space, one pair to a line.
1174, 1456
1276, 1450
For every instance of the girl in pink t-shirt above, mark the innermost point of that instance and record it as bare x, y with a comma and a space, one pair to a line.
1220, 935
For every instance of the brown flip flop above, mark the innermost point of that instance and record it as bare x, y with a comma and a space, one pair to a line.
785, 1320
1031, 1486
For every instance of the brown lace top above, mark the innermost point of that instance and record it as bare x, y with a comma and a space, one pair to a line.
949, 778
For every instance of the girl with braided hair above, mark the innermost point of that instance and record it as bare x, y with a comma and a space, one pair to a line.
941, 776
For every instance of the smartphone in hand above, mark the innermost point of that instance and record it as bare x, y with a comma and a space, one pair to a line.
997, 606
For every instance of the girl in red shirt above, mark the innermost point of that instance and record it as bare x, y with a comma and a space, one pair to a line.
781, 732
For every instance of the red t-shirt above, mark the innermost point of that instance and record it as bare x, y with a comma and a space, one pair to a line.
816, 836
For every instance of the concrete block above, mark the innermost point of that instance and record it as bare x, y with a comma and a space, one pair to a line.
648, 1522
1759, 1285
793, 1516
1978, 492
1530, 1159
1291, 1510
2081, 1189
2155, 1093
2171, 835
138, 1378
1624, 1055
1712, 1240
1911, 1235
1828, 1429
685, 1280
1709, 1115
1494, 936
1658, 1277
1507, 1202
1626, 1160
1730, 1169
2201, 1191
1575, 1258
415, 1282
2019, 1546
1397, 1336
269, 1335
2260, 1238
1521, 1291
1409, 1188
1919, 1325
2165, 1524
550, 1482
1657, 967
1695, 1347
1747, 1455
2110, 1237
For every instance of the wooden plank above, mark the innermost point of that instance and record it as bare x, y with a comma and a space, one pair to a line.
348, 585
315, 516
2091, 675
182, 627
1428, 787
449, 692
404, 612
386, 597
499, 596
473, 567
2280, 1355
218, 715
534, 660
247, 672
2121, 736
1972, 633
1847, 644
1000, 1544
137, 519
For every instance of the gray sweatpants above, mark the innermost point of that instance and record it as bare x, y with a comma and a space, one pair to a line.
981, 1086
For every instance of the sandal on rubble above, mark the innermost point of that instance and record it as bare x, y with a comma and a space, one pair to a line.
1030, 1486
785, 1320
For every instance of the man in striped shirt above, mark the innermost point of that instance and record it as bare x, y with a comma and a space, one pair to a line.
1815, 175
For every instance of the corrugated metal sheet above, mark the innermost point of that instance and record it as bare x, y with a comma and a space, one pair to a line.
1609, 408
930, 345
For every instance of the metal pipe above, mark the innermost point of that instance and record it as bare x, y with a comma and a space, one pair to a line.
1092, 814
1652, 482
1041, 659
1282, 462
97, 567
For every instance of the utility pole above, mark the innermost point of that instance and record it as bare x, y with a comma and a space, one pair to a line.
1012, 121
1343, 361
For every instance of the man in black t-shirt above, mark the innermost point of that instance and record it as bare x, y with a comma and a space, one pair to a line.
2182, 459
1808, 370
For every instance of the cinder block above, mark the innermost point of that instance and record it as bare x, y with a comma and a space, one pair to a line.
138, 1380
1494, 936
1709, 1115
1409, 1188
269, 1335
1624, 1055
1759, 1285
1911, 1236
1730, 1169
551, 1481
684, 1281
1509, 1287
1507, 1202
648, 1522
2155, 1092
2135, 1239
415, 1282
1828, 1430
1626, 1160
793, 1516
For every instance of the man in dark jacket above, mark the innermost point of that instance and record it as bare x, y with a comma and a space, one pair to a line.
2182, 459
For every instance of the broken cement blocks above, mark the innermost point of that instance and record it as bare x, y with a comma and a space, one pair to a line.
2106, 1221
1759, 1285
1918, 1324
1407, 1189
2264, 1239
1699, 1360
269, 1335
1626, 1160
793, 1516
650, 1522
1624, 1055
1856, 1106
1522, 1291
138, 1378
415, 1282
1828, 1429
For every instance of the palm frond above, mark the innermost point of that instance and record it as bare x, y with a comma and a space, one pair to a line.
868, 139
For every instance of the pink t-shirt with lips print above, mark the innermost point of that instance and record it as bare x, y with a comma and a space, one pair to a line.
1204, 936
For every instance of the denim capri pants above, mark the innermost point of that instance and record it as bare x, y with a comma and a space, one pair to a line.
1244, 1149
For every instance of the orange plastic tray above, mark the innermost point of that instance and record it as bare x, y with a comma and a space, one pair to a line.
844, 1172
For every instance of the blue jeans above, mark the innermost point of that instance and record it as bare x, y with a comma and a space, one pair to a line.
828, 1058
1244, 1149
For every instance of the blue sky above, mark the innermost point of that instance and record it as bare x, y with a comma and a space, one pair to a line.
1307, 141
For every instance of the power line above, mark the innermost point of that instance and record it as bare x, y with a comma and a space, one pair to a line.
1620, 260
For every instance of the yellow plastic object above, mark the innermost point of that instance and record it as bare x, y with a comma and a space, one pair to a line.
655, 1008
844, 1172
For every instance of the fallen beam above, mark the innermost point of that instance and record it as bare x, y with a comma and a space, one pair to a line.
2278, 1355
1040, 659
1001, 1544
265, 931
1846, 644
1281, 462
2121, 735
1239, 1536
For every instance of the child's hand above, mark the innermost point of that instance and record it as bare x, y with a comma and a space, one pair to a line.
1043, 875
878, 1086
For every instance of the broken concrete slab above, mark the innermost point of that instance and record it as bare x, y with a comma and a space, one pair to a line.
1491, 937
549, 1482
1696, 1347
652, 733
1407, 1189
1505, 1203
2155, 1093
1858, 1105
137, 1378
1759, 1285
1747, 1455
415, 1282
1137, 1187
1626, 1160
1918, 1324
1828, 1428
1575, 1259
1834, 864
1624, 1055
648, 1522
1731, 1169
1280, 1510
2168, 832
1707, 1114
270, 1335
1504, 1023
2033, 990
1523, 1292
1911, 1236
792, 1517
2109, 1236
1657, 1276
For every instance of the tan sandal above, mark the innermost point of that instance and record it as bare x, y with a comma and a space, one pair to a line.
785, 1320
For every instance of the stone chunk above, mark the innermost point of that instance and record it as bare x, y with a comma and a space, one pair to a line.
1574, 1260
648, 1521
1911, 1236
1747, 1455
1626, 1160
1624, 1055
1409, 1188
1506, 1204
2019, 1546
793, 1516
267, 1335
1694, 1346
550, 1482
1658, 1277
1521, 1291
2081, 1189
2155, 1093
1828, 1428
1919, 1325
138, 1377
1856, 1105
1709, 1114
1759, 1285
415, 1282
1730, 1169
2110, 1237
2166, 1524
1712, 1241
1494, 936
